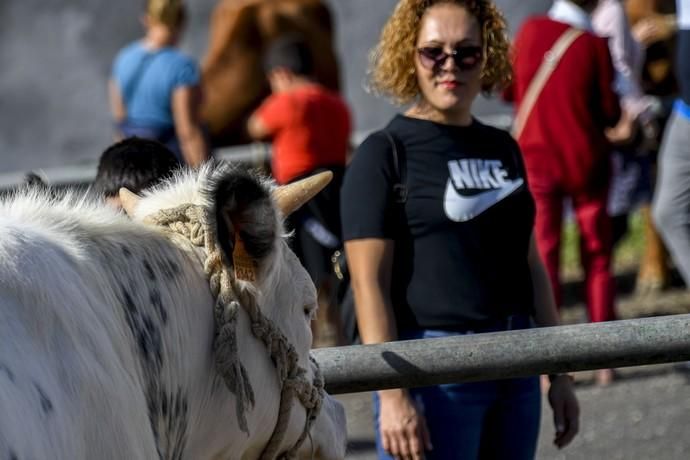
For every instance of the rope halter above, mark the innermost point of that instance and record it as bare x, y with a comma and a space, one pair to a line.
191, 222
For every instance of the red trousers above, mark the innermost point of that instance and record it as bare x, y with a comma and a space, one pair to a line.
595, 242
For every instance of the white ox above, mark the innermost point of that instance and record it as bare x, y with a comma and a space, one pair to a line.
106, 328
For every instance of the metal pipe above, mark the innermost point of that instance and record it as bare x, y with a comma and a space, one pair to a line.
83, 174
499, 355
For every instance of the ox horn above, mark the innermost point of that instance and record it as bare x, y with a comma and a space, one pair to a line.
290, 197
129, 201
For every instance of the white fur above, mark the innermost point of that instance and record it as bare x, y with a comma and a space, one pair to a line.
72, 383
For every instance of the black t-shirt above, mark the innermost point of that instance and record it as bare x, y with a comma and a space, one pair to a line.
462, 237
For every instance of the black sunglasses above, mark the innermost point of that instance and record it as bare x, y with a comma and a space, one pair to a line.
465, 57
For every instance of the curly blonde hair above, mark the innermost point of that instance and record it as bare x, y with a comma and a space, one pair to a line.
392, 71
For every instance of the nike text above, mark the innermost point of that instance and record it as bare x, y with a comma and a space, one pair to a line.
477, 174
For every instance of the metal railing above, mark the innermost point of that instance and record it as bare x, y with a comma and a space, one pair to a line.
256, 154
501, 355
464, 358
84, 173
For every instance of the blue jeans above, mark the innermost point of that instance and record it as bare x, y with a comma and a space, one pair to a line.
496, 419
165, 136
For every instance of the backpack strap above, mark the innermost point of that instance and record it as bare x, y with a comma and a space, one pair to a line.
399, 169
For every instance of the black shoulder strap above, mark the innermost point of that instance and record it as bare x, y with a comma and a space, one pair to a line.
399, 169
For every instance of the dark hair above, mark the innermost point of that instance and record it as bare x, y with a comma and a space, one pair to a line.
289, 52
133, 163
586, 4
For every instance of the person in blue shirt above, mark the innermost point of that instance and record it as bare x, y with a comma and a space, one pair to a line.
154, 89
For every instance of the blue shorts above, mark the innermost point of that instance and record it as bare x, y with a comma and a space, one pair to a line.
165, 136
496, 419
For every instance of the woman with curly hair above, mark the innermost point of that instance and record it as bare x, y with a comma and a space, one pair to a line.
438, 224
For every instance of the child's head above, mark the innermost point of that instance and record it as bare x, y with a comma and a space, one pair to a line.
133, 163
286, 60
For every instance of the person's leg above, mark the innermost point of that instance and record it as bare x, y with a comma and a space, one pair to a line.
595, 253
455, 415
653, 272
671, 206
511, 428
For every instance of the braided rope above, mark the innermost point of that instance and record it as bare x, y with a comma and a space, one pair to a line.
191, 222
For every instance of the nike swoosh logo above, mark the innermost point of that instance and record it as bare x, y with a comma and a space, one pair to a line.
461, 208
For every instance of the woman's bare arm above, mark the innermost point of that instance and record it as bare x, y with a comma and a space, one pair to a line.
546, 313
403, 428
566, 409
117, 106
370, 262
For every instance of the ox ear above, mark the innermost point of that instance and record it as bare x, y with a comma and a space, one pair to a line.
246, 222
291, 197
129, 201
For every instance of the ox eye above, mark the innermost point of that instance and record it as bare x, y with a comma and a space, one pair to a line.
309, 311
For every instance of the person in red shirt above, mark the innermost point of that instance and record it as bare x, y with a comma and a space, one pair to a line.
309, 124
310, 127
566, 152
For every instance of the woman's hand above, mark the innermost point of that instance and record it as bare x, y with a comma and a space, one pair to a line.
566, 410
403, 429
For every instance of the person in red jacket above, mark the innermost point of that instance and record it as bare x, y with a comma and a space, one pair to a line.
564, 145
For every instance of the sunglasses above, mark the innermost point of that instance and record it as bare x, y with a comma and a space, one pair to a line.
465, 57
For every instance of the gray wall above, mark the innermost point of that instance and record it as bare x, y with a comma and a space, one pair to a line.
56, 56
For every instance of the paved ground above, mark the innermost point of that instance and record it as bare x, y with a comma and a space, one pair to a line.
644, 414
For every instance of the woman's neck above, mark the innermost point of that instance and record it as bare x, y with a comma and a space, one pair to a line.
159, 37
423, 111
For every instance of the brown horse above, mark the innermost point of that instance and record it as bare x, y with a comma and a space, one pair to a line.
234, 82
233, 79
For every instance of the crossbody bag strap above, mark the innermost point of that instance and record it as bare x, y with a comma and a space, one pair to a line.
133, 85
399, 169
548, 65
